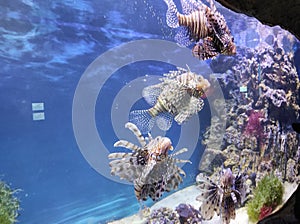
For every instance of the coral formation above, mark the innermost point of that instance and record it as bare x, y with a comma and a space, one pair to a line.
188, 214
9, 204
183, 214
266, 196
163, 215
261, 105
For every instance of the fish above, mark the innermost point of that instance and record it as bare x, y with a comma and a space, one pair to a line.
178, 95
149, 166
222, 198
202, 25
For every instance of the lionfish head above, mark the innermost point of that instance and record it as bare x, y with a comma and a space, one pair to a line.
229, 48
160, 150
202, 84
227, 179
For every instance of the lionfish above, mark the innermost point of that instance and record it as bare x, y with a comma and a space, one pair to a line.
221, 198
148, 167
178, 96
203, 25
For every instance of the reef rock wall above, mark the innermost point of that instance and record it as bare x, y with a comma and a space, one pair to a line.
277, 12
261, 93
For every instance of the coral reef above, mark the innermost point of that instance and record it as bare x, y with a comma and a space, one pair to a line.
188, 214
183, 214
261, 98
163, 215
9, 204
266, 196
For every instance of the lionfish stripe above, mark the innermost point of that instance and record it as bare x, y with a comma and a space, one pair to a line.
118, 155
196, 23
138, 190
157, 108
128, 145
132, 127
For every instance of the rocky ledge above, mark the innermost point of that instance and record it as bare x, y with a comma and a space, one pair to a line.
276, 12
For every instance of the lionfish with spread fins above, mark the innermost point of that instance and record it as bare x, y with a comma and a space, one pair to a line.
221, 198
148, 167
203, 25
178, 96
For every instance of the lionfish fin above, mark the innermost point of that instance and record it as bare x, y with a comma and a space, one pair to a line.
119, 155
189, 6
228, 209
205, 49
212, 6
126, 144
240, 186
173, 182
133, 128
182, 37
218, 24
164, 121
173, 74
125, 169
180, 151
193, 107
142, 119
172, 20
151, 93
159, 188
210, 197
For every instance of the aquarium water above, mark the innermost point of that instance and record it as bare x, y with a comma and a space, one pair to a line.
72, 71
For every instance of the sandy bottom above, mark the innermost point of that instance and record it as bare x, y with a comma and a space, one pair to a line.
188, 195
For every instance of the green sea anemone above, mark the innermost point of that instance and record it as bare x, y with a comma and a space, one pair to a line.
9, 204
269, 192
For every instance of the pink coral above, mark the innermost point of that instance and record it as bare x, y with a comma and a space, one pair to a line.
254, 127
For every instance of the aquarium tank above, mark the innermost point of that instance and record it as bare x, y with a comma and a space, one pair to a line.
160, 111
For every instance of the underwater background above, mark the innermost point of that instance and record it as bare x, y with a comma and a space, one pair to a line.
46, 48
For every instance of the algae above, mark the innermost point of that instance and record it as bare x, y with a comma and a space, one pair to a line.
9, 204
269, 192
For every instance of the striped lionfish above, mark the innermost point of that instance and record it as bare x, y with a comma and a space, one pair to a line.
148, 167
221, 198
178, 96
203, 25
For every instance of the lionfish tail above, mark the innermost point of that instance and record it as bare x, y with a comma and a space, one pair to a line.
172, 20
142, 119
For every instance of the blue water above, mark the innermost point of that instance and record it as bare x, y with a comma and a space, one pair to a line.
45, 48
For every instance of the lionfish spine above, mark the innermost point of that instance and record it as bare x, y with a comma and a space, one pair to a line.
197, 24
186, 78
132, 127
128, 145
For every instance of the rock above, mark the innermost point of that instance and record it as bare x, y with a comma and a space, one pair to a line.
277, 12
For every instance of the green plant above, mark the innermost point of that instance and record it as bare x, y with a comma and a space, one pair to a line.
269, 192
9, 204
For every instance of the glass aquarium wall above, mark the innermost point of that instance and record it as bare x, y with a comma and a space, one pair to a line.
83, 83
